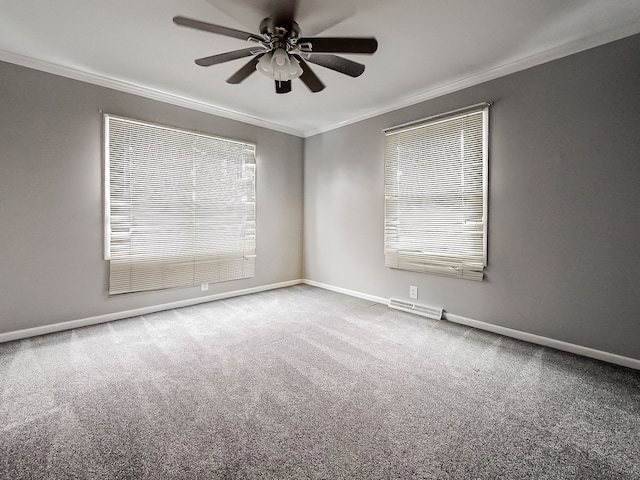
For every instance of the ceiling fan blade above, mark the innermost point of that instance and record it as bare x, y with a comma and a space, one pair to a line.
308, 77
339, 64
245, 71
341, 44
283, 13
225, 57
210, 27
283, 87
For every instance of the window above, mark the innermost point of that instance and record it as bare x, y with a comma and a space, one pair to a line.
436, 195
179, 207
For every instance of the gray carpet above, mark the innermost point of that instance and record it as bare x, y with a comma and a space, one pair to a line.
305, 383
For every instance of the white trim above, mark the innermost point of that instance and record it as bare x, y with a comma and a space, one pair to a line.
142, 91
351, 293
458, 112
83, 322
485, 182
507, 332
106, 188
458, 84
546, 342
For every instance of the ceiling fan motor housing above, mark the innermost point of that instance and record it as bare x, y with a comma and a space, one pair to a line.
278, 64
268, 28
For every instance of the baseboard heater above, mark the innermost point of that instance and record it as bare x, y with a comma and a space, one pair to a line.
424, 310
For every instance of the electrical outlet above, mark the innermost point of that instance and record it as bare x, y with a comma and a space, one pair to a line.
413, 292
204, 287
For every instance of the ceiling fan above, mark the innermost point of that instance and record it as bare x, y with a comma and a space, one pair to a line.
281, 53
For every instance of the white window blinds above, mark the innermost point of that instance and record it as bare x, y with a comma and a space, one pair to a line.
179, 207
436, 195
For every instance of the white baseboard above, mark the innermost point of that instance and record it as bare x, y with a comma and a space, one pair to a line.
507, 332
353, 293
84, 322
547, 342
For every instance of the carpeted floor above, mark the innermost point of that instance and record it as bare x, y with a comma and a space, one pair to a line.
304, 383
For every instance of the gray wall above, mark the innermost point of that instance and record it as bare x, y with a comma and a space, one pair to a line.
564, 196
51, 221
564, 203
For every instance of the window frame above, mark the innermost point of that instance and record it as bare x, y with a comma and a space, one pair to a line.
435, 262
248, 204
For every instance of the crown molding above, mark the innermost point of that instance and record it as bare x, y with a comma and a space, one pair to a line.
142, 91
534, 60
592, 41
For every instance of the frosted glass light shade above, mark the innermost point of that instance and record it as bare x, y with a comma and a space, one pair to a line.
279, 66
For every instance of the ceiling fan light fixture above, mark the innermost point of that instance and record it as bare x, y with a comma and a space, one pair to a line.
280, 52
278, 65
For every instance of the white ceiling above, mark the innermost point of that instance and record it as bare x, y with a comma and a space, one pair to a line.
426, 48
